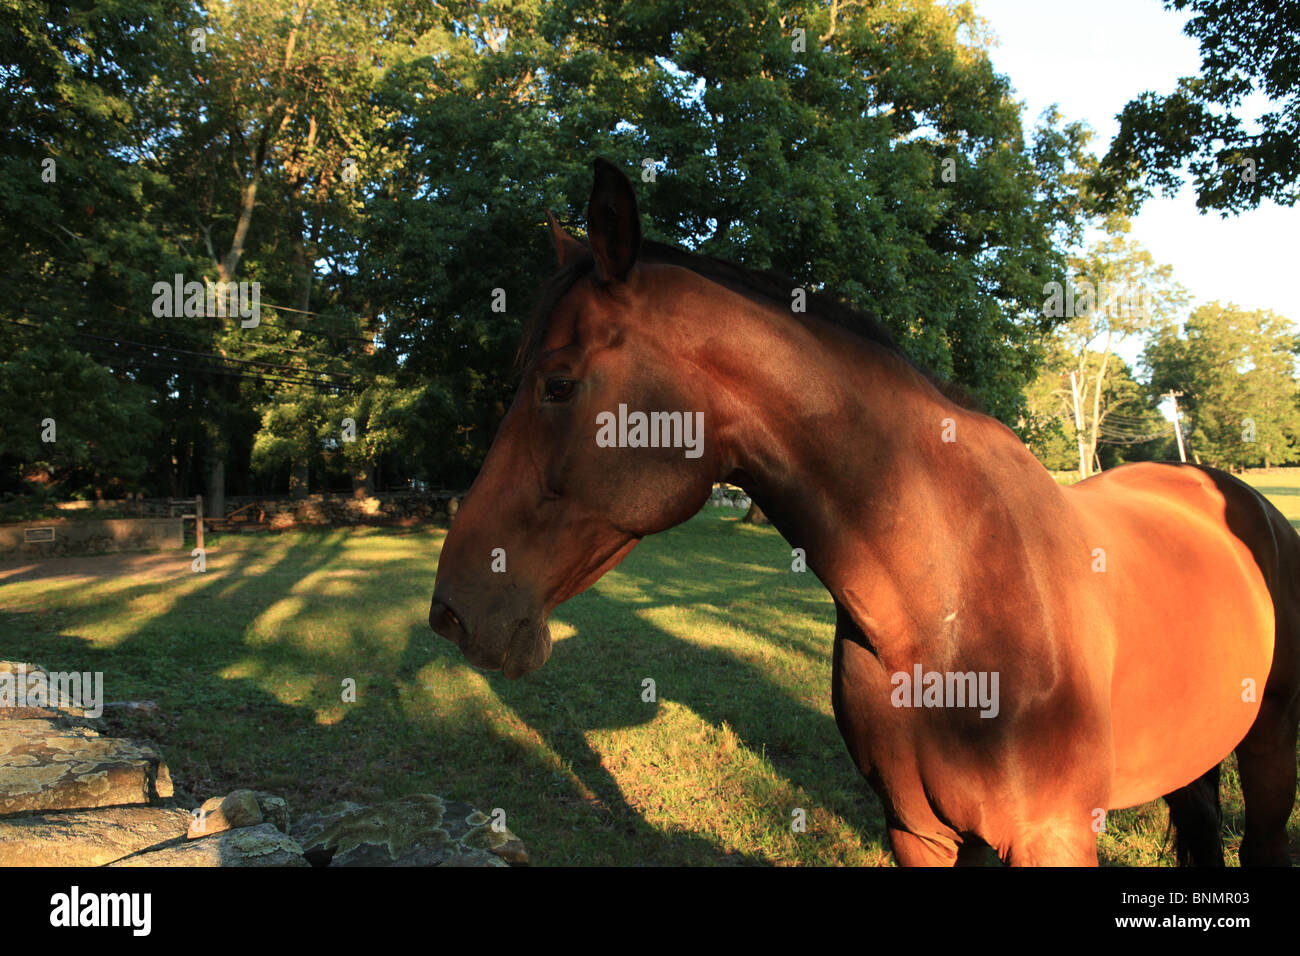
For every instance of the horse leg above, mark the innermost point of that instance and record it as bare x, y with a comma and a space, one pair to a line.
1195, 818
911, 849
973, 852
1266, 757
1266, 760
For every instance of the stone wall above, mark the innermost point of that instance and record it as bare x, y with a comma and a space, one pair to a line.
91, 536
71, 796
324, 508
399, 507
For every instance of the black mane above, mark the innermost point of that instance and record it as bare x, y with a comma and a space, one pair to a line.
755, 283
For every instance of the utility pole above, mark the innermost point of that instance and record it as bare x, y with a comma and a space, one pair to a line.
1078, 428
1178, 431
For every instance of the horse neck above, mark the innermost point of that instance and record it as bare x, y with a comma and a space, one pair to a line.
858, 459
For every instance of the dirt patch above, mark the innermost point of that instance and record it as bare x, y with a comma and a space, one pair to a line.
153, 564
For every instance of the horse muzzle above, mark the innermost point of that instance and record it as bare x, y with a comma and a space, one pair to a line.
516, 647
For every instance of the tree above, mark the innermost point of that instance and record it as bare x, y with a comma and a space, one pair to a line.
1245, 49
381, 172
870, 152
72, 425
73, 209
1236, 370
1116, 290
1126, 422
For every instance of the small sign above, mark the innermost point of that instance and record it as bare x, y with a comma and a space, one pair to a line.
38, 534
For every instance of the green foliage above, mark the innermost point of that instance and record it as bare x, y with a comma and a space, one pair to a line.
1129, 426
1236, 370
1115, 291
1236, 161
70, 418
381, 173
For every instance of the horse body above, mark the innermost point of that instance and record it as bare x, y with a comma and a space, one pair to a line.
1120, 618
1193, 614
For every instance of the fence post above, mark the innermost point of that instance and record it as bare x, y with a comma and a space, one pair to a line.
198, 521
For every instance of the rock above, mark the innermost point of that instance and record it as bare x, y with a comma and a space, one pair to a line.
418, 830
262, 845
87, 837
21, 667
275, 810
281, 521
46, 766
148, 706
52, 704
62, 718
236, 809
472, 859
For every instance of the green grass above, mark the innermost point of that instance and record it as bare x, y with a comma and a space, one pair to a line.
1282, 487
247, 662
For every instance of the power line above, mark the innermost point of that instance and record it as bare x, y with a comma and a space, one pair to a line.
1129, 419
227, 373
203, 355
51, 314
1125, 432
82, 292
195, 336
118, 358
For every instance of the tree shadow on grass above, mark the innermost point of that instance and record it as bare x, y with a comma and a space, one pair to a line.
207, 725
593, 684
247, 703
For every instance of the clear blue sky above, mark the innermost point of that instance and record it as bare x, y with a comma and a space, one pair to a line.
1091, 58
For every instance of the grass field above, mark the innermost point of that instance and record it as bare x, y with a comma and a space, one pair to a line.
247, 662
1282, 487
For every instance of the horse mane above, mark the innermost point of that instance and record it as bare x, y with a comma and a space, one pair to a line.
753, 283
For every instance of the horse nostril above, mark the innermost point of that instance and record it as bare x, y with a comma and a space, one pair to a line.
447, 622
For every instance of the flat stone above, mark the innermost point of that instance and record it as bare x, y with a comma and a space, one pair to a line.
87, 837
64, 717
55, 706
262, 845
418, 830
45, 765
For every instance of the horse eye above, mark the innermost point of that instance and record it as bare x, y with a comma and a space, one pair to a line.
559, 389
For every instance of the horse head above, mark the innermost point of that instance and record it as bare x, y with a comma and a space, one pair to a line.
602, 445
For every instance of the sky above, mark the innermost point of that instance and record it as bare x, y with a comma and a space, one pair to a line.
1092, 57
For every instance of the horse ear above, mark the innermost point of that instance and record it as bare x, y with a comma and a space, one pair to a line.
613, 223
567, 249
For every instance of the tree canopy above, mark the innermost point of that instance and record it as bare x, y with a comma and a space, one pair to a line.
1235, 372
381, 172
1236, 161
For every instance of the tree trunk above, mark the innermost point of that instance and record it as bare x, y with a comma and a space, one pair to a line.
1096, 402
169, 471
216, 496
363, 480
298, 476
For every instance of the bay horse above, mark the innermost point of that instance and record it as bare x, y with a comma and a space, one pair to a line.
1134, 628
